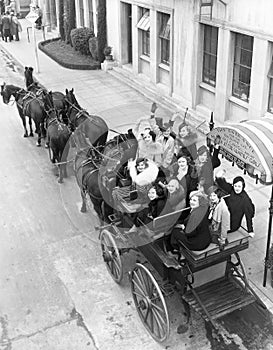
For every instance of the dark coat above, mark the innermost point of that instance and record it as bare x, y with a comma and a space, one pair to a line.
156, 207
189, 182
238, 206
198, 238
205, 170
187, 147
6, 22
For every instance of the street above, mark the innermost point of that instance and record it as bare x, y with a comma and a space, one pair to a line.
55, 290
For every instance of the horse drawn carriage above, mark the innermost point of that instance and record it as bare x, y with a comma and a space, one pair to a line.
213, 282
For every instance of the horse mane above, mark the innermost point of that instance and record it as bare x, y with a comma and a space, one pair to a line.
14, 88
48, 100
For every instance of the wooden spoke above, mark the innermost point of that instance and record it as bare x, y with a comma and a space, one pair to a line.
150, 303
111, 255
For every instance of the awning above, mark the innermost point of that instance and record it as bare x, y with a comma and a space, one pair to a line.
249, 144
144, 22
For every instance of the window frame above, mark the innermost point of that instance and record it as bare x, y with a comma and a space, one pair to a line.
209, 75
164, 37
144, 27
242, 70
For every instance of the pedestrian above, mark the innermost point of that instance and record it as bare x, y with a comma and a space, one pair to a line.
239, 203
15, 26
38, 21
12, 7
219, 217
194, 233
1, 27
6, 26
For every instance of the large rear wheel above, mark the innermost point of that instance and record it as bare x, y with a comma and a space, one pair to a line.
150, 303
111, 255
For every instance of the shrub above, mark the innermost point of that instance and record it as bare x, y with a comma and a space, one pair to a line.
79, 39
93, 47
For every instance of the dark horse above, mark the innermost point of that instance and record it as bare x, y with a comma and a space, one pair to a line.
58, 136
58, 97
28, 105
89, 129
97, 176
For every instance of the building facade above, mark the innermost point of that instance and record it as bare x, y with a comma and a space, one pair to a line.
205, 55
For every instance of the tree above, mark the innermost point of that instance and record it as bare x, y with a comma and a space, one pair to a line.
102, 32
70, 19
61, 19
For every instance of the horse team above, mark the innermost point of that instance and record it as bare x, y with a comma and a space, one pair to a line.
57, 117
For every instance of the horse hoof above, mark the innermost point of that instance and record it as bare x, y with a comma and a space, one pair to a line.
46, 145
38, 144
25, 135
60, 181
83, 210
31, 134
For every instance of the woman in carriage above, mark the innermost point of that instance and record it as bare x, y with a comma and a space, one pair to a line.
194, 233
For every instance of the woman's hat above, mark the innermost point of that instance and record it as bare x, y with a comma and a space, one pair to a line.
166, 126
201, 150
212, 189
239, 179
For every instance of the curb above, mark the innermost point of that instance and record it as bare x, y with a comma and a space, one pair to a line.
42, 47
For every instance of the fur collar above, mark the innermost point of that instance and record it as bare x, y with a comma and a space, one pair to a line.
148, 175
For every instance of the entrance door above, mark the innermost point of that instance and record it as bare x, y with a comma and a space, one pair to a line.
126, 33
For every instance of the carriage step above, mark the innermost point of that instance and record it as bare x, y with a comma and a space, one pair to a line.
219, 298
167, 260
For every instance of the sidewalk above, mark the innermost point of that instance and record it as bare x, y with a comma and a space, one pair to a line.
120, 105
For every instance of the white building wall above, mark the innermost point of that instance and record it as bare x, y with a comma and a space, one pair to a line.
183, 81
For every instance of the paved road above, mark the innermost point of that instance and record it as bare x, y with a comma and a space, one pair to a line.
55, 293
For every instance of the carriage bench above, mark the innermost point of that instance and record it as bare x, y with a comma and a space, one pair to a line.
237, 241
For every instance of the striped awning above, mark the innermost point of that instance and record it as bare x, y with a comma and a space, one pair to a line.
249, 144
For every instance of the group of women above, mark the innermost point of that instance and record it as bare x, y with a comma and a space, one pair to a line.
170, 173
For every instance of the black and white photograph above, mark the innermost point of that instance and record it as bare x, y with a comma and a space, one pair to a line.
136, 175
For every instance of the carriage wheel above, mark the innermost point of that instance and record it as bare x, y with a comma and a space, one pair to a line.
237, 269
111, 255
150, 303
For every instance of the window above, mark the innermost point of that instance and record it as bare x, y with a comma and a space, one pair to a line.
242, 66
164, 36
144, 27
270, 99
210, 54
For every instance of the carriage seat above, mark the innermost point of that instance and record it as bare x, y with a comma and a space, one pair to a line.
163, 225
237, 241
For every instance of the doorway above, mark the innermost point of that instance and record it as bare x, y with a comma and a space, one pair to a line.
126, 33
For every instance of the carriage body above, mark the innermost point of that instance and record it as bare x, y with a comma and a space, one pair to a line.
212, 282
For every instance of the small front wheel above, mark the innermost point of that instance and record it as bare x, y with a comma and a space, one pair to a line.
111, 255
150, 303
